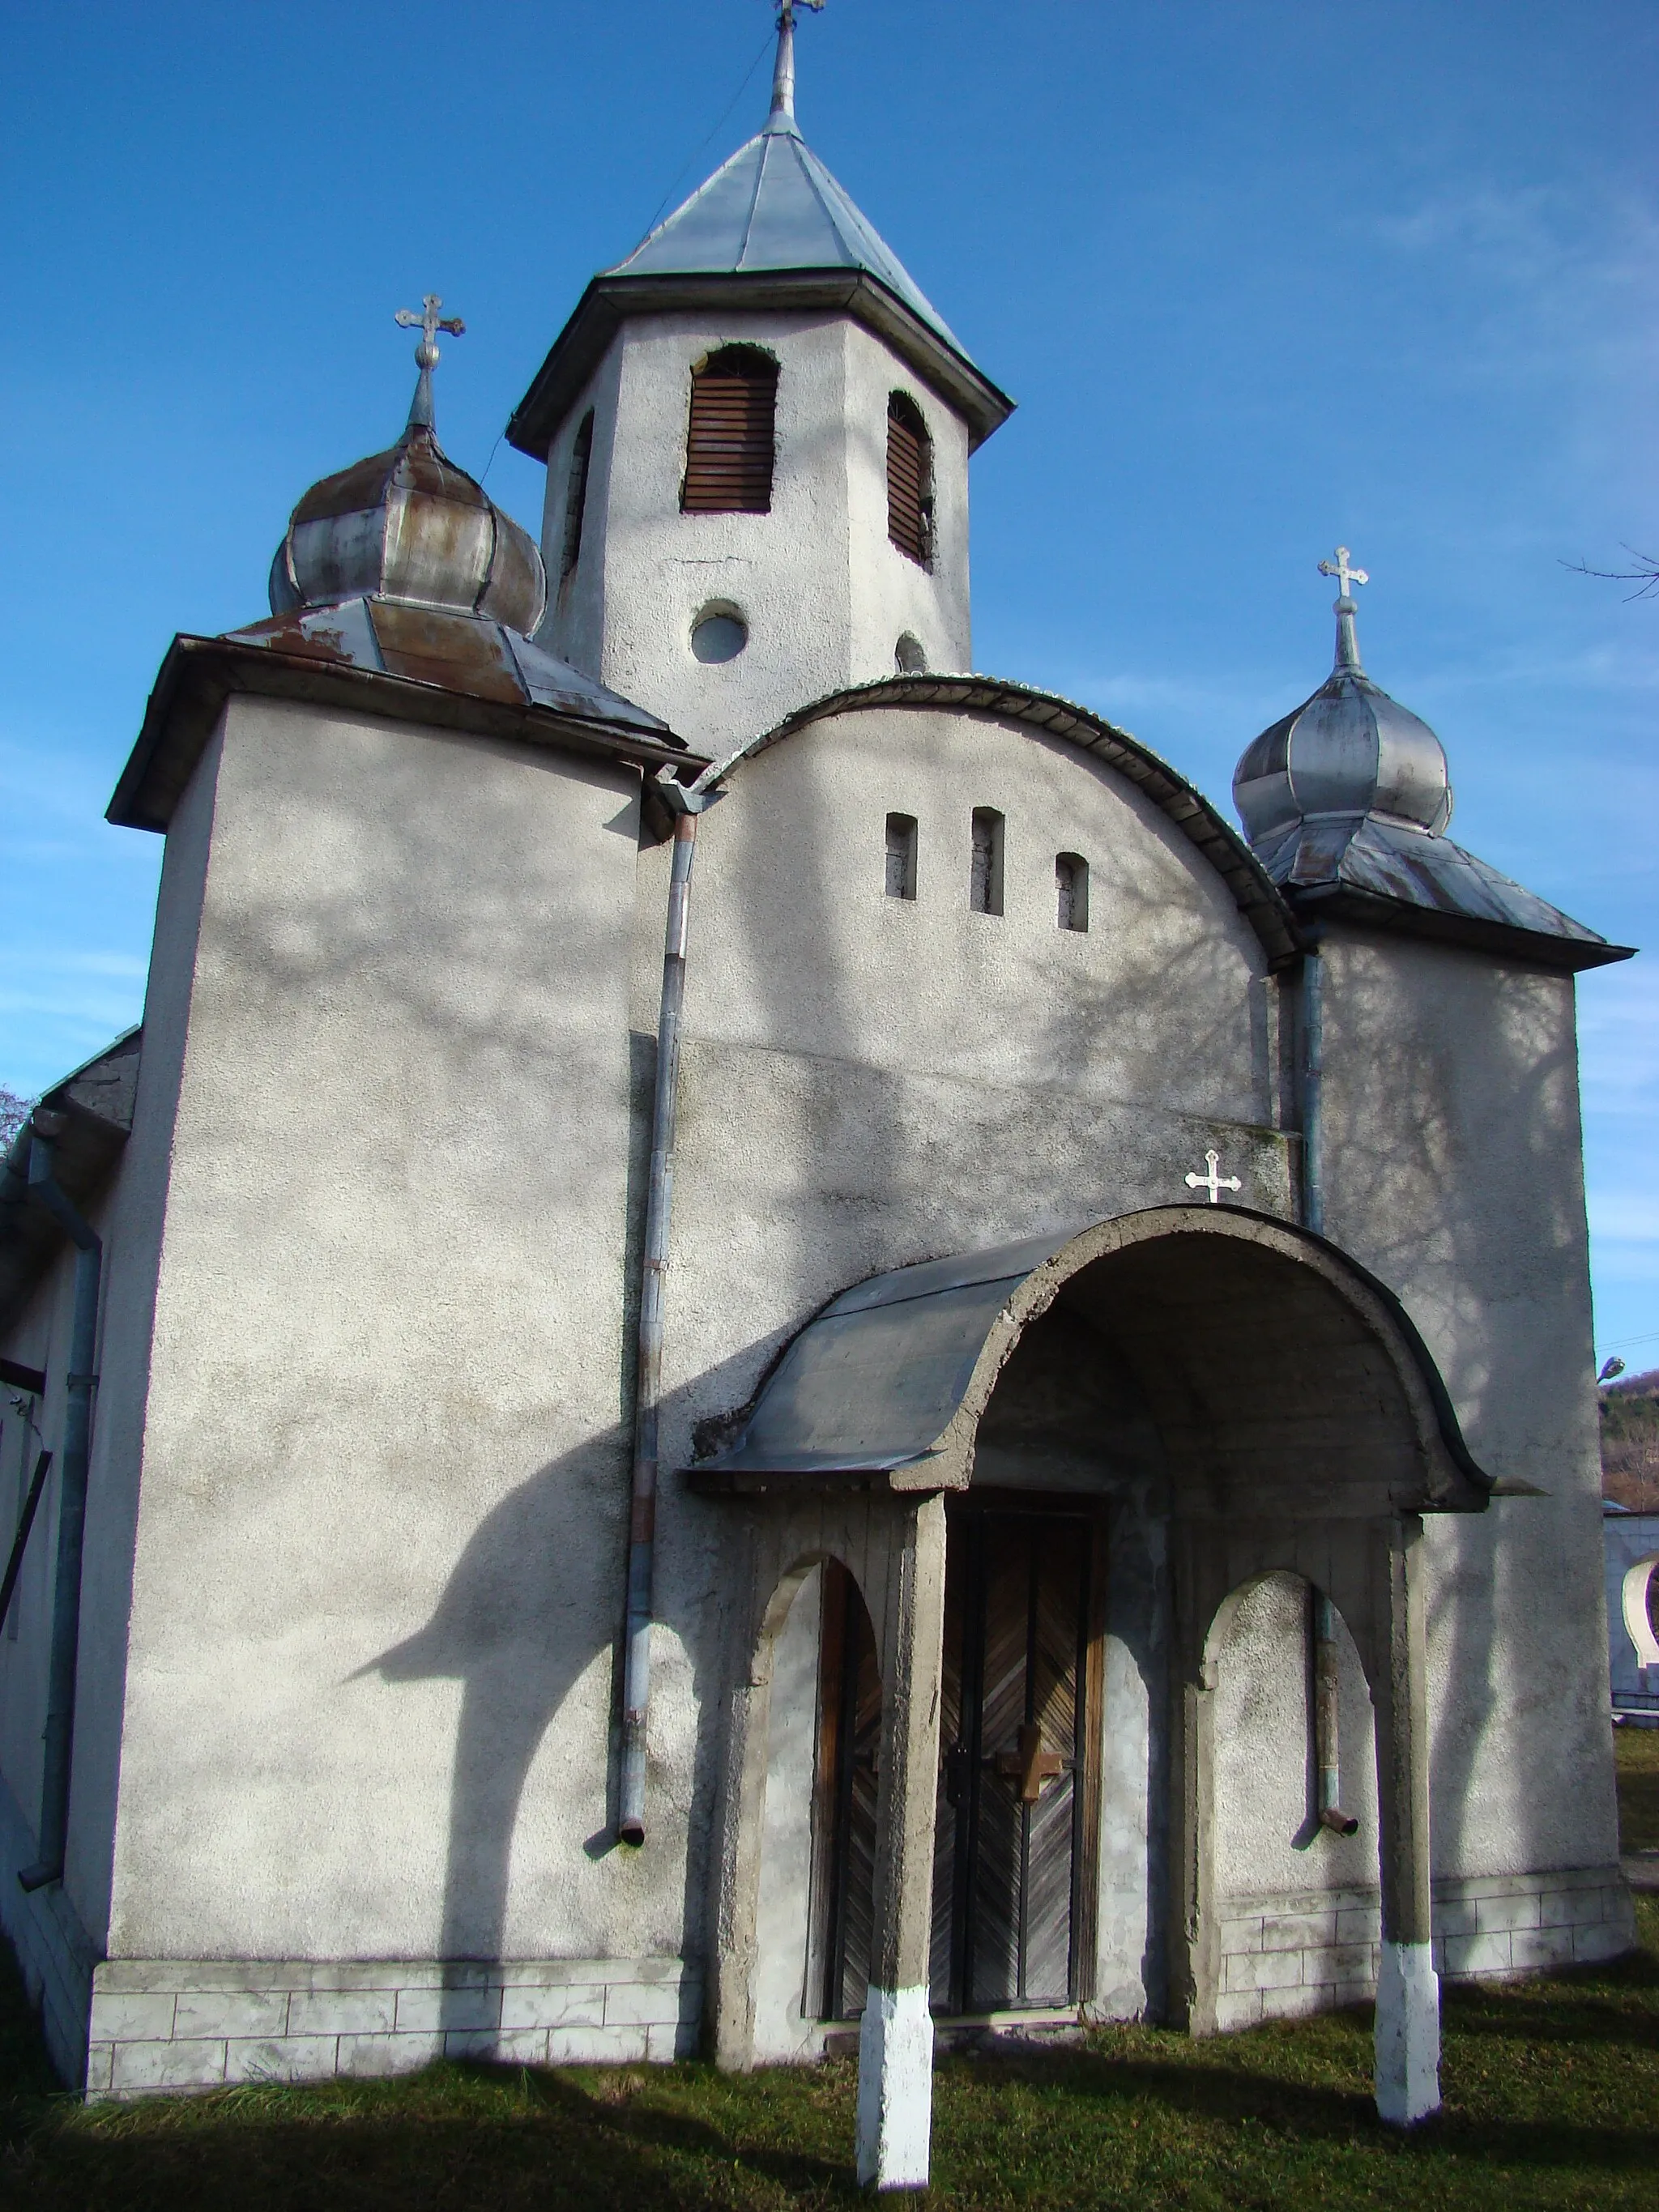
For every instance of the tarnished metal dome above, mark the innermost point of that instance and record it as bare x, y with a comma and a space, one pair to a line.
1349, 751
408, 525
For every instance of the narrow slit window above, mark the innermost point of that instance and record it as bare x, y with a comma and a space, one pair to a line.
1071, 891
909, 480
730, 443
985, 872
901, 856
575, 498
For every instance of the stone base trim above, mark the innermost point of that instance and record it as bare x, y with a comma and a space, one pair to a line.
172, 2024
1307, 1951
54, 1951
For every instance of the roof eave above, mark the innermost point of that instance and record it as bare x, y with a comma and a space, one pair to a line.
96, 1100
200, 674
1319, 902
609, 301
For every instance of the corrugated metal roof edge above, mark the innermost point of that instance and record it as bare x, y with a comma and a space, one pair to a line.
1257, 897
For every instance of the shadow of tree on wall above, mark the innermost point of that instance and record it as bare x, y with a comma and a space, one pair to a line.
1457, 1184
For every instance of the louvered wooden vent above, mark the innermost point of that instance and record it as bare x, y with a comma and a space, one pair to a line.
728, 448
575, 498
909, 480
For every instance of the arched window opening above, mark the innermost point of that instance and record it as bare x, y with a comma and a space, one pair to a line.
985, 872
729, 444
849, 1737
910, 654
909, 480
1071, 891
575, 498
901, 856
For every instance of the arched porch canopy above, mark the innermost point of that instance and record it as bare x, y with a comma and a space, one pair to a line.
1283, 1379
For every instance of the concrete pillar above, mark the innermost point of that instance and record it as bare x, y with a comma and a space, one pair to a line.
738, 1817
896, 2040
1408, 1987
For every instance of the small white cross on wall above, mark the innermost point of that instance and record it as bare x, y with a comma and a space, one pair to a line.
1212, 1180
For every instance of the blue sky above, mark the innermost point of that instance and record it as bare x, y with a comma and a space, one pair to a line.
1263, 276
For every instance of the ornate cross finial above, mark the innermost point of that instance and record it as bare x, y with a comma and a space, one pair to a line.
1347, 645
1212, 1180
782, 117
1345, 575
428, 324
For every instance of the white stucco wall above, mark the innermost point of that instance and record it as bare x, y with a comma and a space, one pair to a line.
382, 1487
381, 1170
870, 1080
1453, 1170
825, 593
1266, 1835
785, 2027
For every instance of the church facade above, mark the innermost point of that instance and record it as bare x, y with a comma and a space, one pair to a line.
764, 1346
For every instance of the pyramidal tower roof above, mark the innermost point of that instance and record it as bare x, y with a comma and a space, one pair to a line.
775, 206
771, 227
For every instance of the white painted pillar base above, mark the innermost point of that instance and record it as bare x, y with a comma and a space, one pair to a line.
1408, 2034
896, 2089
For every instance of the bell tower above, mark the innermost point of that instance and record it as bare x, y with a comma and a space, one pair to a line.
756, 431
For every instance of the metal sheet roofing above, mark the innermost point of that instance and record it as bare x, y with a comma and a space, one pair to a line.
775, 206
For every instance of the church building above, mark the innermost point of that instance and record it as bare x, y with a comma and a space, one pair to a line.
765, 1349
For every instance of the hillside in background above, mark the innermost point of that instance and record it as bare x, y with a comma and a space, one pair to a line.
1629, 1441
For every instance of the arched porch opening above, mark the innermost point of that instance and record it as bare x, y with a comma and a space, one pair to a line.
1236, 1401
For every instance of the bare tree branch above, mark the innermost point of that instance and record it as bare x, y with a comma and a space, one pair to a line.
1645, 575
13, 1112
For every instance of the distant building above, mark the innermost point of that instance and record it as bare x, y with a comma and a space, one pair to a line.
1631, 1542
1127, 1540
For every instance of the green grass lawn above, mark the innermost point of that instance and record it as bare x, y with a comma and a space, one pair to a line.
1637, 1752
1552, 2091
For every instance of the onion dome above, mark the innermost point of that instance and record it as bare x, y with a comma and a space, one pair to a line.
402, 568
408, 525
1346, 804
1349, 751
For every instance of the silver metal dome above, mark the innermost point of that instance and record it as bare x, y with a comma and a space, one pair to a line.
408, 525
1349, 751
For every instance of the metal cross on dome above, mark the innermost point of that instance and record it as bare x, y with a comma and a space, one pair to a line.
1345, 575
1212, 1180
428, 324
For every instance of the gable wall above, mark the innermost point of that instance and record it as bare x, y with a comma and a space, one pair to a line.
384, 1480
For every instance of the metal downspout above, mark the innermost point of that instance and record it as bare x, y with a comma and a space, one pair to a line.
1327, 1708
71, 1508
1313, 1090
686, 805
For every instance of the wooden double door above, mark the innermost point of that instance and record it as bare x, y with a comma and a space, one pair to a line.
1018, 1811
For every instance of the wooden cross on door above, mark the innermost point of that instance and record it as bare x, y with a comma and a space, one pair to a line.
1030, 1765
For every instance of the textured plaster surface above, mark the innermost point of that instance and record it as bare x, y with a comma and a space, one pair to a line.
822, 591
1453, 1171
783, 2029
1268, 1836
379, 1196
383, 1482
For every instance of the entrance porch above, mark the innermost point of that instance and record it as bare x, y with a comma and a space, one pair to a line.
998, 1518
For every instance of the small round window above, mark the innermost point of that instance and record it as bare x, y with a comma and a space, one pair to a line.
718, 633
